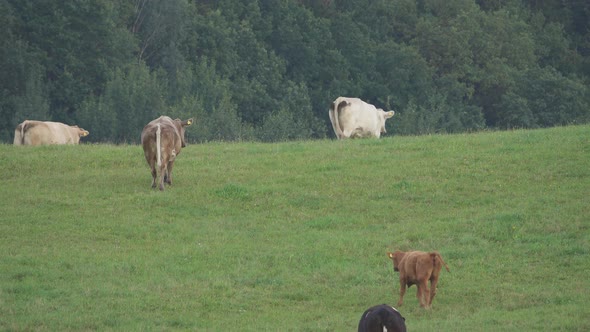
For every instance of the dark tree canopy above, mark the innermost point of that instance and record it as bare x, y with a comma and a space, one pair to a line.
268, 70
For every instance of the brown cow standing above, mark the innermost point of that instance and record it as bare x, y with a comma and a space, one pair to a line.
162, 140
416, 268
32, 132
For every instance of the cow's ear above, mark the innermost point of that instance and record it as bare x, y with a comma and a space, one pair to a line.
187, 122
389, 114
390, 254
85, 133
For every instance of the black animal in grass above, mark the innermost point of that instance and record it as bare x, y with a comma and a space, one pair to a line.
382, 318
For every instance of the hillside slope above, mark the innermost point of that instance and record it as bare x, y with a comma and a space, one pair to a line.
293, 236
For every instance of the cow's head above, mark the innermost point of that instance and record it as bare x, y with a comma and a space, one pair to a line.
180, 125
81, 131
382, 117
396, 257
84, 133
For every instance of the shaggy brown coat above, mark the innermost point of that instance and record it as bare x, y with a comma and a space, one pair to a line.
417, 268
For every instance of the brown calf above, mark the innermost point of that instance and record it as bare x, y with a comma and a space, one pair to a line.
162, 139
416, 268
31, 132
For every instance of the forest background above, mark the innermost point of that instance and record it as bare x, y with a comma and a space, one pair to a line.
268, 70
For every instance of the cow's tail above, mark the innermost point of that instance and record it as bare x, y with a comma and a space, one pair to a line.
22, 132
435, 255
158, 147
20, 139
19, 133
336, 108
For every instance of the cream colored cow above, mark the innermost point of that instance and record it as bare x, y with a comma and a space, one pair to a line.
353, 118
32, 132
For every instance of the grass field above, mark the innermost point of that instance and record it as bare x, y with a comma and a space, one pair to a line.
293, 236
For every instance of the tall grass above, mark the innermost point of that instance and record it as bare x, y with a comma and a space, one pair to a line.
293, 236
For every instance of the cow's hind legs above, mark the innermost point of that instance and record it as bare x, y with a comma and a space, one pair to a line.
402, 291
423, 294
169, 167
433, 284
154, 175
163, 171
168, 177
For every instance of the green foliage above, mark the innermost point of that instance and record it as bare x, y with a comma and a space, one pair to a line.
514, 112
456, 65
558, 100
402, 75
552, 46
222, 123
208, 101
77, 43
34, 103
131, 100
23, 92
296, 233
158, 26
282, 126
98, 118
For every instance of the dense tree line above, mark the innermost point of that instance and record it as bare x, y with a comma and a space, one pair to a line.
268, 69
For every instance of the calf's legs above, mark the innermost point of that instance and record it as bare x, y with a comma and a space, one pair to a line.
433, 283
423, 294
402, 292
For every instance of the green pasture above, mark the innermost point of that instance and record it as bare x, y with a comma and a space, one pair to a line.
293, 236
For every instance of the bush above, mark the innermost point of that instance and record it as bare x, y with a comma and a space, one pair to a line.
282, 126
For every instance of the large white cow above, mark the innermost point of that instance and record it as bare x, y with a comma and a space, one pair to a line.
32, 132
353, 118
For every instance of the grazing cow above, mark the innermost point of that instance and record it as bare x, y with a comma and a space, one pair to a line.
353, 118
382, 318
416, 268
162, 140
32, 132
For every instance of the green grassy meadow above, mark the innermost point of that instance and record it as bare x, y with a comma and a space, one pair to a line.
293, 236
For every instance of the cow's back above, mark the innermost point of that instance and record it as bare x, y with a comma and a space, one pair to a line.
416, 263
381, 318
437, 262
168, 131
356, 117
148, 140
148, 134
162, 139
62, 133
354, 113
34, 133
170, 140
171, 134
